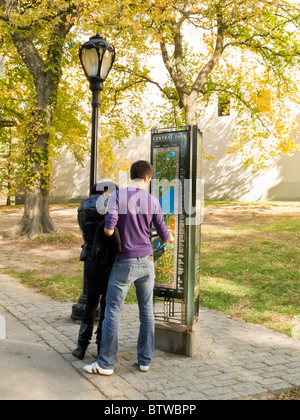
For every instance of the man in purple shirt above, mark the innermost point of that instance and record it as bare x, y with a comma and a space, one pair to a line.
131, 210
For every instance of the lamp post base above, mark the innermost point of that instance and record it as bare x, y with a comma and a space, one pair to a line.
79, 308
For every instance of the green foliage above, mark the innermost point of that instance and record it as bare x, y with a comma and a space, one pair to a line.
10, 163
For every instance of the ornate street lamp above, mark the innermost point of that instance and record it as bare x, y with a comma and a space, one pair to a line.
97, 57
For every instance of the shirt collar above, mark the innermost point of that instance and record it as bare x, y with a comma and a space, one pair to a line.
138, 184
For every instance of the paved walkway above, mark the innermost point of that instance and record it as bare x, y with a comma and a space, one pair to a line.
235, 360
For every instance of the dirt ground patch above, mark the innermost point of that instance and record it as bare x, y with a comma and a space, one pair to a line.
43, 254
235, 215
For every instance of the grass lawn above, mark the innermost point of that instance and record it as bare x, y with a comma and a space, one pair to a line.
59, 286
253, 273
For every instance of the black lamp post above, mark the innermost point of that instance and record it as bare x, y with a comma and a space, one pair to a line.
97, 57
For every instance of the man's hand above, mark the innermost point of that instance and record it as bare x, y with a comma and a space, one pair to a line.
108, 232
171, 239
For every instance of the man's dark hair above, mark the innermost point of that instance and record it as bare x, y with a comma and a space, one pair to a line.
140, 169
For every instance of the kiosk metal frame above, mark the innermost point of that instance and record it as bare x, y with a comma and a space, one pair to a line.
177, 152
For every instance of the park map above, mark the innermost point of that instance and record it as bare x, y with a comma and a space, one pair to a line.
166, 168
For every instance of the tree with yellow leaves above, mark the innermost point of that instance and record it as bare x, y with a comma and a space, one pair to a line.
50, 94
244, 51
27, 25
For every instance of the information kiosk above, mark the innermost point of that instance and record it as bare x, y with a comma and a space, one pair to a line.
176, 155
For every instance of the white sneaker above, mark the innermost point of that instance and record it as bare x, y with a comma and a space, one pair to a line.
94, 368
144, 368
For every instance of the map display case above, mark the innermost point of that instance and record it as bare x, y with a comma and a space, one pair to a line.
176, 155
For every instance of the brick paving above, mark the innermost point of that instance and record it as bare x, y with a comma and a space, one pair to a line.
236, 360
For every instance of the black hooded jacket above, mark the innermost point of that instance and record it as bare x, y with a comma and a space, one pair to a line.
99, 250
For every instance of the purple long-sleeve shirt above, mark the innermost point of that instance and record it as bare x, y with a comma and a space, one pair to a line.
132, 211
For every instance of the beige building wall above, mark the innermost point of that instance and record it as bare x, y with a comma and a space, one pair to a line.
70, 181
225, 177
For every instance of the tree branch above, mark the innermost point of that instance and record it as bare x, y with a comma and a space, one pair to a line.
36, 22
7, 123
208, 68
180, 68
29, 54
167, 61
144, 79
60, 29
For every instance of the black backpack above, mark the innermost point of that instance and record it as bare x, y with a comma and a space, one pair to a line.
89, 218
93, 210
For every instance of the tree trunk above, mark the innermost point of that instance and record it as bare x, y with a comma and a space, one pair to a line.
8, 198
36, 218
46, 71
9, 171
190, 107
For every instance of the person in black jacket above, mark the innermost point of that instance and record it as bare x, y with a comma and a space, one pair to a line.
98, 255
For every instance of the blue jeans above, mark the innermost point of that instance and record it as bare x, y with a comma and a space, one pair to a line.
123, 274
